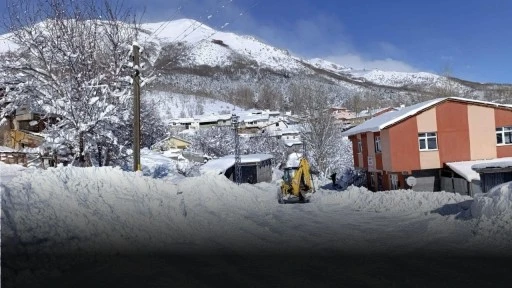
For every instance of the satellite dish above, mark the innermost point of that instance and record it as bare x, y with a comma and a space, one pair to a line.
411, 181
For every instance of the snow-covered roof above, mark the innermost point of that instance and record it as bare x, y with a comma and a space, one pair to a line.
291, 142
390, 118
220, 165
6, 149
213, 118
465, 168
499, 163
370, 112
256, 117
182, 120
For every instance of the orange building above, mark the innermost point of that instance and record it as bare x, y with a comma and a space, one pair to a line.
420, 139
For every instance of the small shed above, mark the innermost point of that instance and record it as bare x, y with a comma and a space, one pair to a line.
476, 176
494, 173
255, 168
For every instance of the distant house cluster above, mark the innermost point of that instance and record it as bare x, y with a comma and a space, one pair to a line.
283, 126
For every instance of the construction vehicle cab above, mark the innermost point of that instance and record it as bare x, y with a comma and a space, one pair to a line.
297, 183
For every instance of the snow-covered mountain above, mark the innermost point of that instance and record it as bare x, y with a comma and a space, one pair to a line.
193, 59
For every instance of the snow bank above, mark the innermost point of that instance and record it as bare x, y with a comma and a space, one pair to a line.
108, 209
158, 165
492, 212
361, 199
495, 203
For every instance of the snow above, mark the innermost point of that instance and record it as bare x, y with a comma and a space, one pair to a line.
204, 52
6, 149
495, 203
106, 209
97, 205
380, 122
397, 79
362, 199
291, 142
171, 105
327, 65
6, 44
466, 168
159, 165
496, 163
293, 160
387, 119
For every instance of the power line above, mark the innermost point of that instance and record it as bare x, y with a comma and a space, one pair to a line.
165, 23
227, 23
199, 26
161, 27
216, 31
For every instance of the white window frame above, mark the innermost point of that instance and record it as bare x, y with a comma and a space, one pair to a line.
359, 146
425, 136
378, 149
504, 132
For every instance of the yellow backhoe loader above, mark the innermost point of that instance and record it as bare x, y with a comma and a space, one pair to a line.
297, 185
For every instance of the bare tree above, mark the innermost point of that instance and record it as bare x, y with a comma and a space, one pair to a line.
355, 103
269, 97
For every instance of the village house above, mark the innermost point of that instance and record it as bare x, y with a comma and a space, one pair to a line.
342, 116
22, 129
172, 142
422, 139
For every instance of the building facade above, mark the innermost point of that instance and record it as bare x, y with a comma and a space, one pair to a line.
418, 140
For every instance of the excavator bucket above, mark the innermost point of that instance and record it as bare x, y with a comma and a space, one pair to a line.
291, 199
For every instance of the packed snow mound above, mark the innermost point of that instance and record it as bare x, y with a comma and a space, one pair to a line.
108, 209
495, 203
361, 199
158, 165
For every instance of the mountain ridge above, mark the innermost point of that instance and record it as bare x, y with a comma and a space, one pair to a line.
192, 58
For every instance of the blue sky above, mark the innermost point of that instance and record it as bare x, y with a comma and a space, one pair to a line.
471, 39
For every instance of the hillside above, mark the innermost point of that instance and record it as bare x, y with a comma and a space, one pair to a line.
191, 58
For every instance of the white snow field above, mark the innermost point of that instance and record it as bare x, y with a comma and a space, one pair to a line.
104, 210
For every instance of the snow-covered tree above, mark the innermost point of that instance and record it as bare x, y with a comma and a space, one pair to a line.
76, 67
215, 141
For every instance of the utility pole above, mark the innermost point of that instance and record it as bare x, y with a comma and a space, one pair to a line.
136, 108
238, 161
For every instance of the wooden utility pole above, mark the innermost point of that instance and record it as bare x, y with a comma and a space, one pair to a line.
136, 108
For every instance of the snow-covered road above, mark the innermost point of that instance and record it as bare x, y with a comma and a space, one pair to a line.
107, 210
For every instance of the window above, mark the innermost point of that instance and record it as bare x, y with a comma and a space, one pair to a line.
359, 146
377, 144
504, 135
428, 141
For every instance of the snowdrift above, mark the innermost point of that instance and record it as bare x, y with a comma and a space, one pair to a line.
108, 209
389, 201
495, 203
